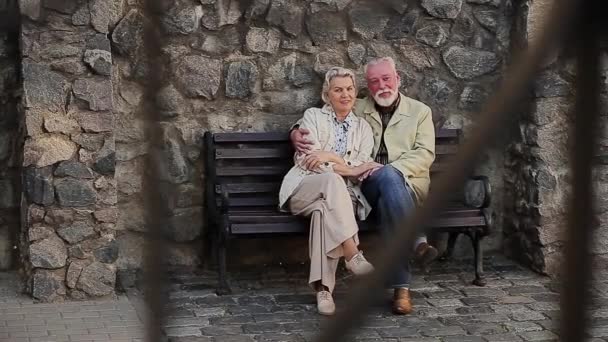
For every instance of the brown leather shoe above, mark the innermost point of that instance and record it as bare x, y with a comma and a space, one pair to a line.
425, 254
402, 305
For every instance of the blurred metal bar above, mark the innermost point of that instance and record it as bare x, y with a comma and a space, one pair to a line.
493, 118
577, 267
155, 272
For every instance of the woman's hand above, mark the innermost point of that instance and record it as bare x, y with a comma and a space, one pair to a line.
314, 159
365, 170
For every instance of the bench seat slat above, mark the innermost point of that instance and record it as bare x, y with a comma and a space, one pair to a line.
301, 226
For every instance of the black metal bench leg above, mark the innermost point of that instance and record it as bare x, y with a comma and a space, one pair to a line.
476, 240
224, 285
447, 254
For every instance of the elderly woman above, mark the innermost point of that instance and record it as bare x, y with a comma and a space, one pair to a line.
323, 184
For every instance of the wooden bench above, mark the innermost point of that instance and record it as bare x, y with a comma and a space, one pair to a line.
243, 177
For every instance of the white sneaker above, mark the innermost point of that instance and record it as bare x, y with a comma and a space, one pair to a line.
358, 265
325, 303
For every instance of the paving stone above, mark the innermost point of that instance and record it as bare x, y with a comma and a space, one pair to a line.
398, 332
526, 289
445, 302
527, 315
484, 329
538, 336
443, 331
478, 300
546, 297
522, 326
222, 330
463, 339
502, 338
470, 310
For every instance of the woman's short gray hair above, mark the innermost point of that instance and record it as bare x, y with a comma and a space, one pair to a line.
333, 73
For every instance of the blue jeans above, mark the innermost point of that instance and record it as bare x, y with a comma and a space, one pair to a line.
392, 201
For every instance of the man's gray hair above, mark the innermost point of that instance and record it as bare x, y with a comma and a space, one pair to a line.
380, 60
333, 73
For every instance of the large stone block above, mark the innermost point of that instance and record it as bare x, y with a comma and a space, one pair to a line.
263, 40
433, 35
257, 9
49, 253
99, 60
466, 63
127, 36
97, 279
368, 20
77, 232
241, 77
182, 18
97, 92
443, 9
75, 193
199, 76
100, 13
326, 28
72, 168
47, 149
42, 87
38, 185
48, 285
326, 60
286, 14
60, 123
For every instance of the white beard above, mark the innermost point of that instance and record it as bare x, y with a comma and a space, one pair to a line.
385, 102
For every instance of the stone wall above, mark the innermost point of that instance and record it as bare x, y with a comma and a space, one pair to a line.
10, 149
256, 65
537, 169
69, 154
233, 66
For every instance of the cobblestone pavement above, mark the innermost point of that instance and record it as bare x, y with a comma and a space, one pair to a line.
275, 304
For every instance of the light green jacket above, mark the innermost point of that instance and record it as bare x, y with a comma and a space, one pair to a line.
409, 139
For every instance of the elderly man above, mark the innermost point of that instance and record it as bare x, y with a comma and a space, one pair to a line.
404, 148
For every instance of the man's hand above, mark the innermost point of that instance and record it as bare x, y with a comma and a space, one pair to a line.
373, 167
314, 159
299, 141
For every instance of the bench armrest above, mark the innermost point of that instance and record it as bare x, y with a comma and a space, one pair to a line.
477, 192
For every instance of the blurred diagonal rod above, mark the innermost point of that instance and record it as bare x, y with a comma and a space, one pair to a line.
154, 269
514, 90
577, 266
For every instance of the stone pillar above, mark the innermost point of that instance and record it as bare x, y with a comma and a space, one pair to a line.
69, 188
538, 163
10, 154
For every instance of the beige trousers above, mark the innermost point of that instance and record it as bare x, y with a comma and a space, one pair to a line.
326, 199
